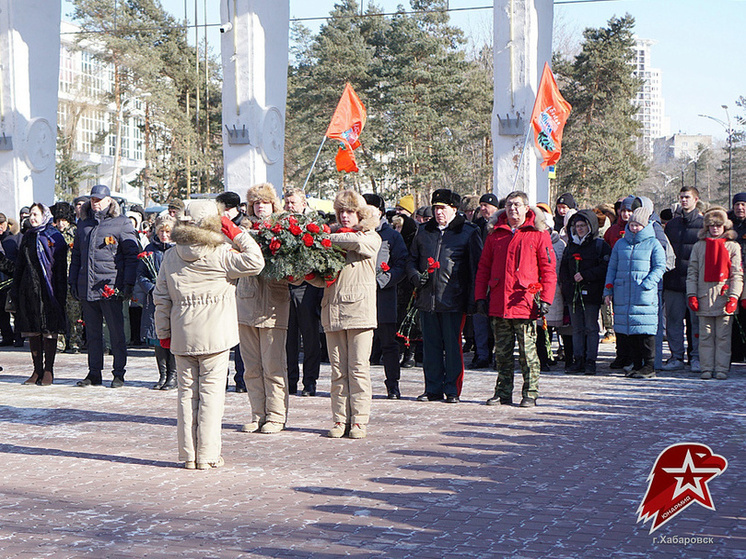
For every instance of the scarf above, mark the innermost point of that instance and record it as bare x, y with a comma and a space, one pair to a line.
717, 260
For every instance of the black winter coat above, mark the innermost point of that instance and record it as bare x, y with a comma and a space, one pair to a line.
593, 254
37, 309
458, 248
104, 253
394, 253
682, 231
739, 226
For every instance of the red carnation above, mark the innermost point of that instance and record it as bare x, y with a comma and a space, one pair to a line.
432, 265
577, 257
274, 245
534, 288
108, 291
326, 228
276, 228
290, 278
385, 267
295, 230
313, 228
292, 220
309, 277
326, 243
142, 255
257, 225
307, 240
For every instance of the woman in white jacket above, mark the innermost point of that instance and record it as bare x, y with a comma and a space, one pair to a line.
196, 317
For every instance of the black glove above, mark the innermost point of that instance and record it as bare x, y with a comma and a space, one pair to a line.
544, 308
482, 307
74, 291
127, 291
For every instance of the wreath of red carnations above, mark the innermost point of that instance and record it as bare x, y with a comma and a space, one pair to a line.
297, 246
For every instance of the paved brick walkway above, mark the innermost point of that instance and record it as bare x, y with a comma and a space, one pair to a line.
92, 472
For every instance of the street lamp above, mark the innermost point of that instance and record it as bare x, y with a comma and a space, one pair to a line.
115, 178
729, 130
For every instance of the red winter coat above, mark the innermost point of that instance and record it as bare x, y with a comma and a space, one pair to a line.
511, 262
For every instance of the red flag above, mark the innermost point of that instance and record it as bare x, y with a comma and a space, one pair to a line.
548, 118
346, 126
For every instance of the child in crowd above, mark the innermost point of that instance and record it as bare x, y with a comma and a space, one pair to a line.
714, 282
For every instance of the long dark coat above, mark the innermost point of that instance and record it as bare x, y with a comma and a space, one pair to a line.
38, 310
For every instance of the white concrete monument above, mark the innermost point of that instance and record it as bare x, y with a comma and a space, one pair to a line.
255, 62
29, 77
522, 43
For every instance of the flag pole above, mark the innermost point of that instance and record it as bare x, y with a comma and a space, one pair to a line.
314, 163
518, 170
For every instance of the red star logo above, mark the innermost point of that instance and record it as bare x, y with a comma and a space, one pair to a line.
679, 479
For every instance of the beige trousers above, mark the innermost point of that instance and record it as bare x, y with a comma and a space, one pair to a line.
201, 401
265, 372
714, 343
349, 355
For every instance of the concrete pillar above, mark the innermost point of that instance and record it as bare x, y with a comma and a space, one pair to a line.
255, 61
29, 76
522, 43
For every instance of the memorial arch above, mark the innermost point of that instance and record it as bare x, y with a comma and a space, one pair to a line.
254, 47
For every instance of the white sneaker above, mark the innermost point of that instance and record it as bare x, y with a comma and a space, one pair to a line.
694, 366
673, 364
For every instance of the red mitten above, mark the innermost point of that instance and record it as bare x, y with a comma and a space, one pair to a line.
229, 228
166, 343
694, 303
731, 305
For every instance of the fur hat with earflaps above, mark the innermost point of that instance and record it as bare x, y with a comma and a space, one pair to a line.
717, 216
263, 192
351, 201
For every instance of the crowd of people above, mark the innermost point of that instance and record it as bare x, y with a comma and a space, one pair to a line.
419, 286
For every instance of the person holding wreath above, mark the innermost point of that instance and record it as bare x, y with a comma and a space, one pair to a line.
348, 315
263, 311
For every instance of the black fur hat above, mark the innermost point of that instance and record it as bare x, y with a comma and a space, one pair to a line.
445, 197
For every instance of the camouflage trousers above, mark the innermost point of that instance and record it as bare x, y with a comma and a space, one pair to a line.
506, 331
74, 323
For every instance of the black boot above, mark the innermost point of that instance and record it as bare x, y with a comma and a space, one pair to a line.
170, 383
161, 360
50, 351
37, 356
407, 361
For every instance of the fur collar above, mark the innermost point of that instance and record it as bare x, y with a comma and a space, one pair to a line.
86, 211
456, 224
537, 220
207, 234
729, 234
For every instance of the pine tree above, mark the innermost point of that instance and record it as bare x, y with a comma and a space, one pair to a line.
599, 158
148, 51
429, 106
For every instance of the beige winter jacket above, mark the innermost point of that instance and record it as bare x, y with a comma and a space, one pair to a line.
195, 293
350, 302
714, 295
263, 303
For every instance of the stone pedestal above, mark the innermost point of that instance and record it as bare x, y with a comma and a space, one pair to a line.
255, 61
29, 77
522, 43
